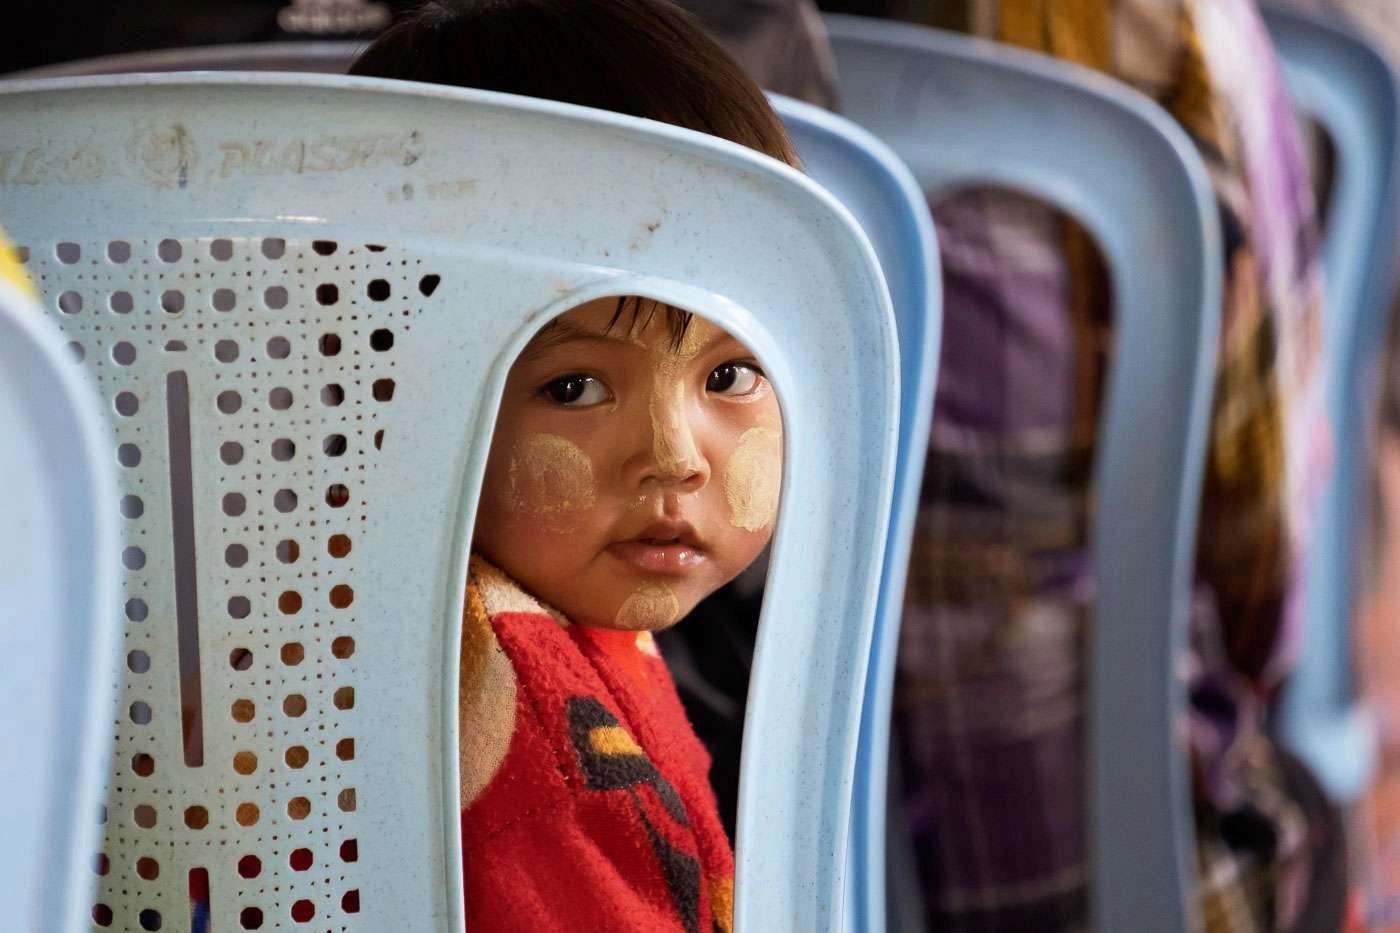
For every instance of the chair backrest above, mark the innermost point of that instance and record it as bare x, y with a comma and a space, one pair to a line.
302, 296
328, 57
59, 627
870, 180
963, 112
1339, 79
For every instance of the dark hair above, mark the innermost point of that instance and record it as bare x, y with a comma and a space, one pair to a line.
644, 58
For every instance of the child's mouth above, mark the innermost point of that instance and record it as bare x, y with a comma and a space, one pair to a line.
664, 548
654, 556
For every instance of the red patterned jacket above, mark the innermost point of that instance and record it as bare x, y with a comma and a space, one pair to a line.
585, 799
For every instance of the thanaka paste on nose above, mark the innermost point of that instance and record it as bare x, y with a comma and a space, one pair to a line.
673, 447
549, 475
752, 479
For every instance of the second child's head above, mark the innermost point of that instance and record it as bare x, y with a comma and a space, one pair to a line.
638, 450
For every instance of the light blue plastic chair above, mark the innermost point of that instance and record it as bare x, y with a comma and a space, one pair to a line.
869, 179
962, 112
301, 296
1340, 80
59, 626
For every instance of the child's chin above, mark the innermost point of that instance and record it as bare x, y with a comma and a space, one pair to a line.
613, 626
648, 607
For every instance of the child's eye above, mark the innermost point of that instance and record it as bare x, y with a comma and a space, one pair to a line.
734, 378
576, 391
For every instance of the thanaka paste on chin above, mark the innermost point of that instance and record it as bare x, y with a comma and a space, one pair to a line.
652, 606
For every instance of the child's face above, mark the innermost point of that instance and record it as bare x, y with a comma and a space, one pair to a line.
628, 478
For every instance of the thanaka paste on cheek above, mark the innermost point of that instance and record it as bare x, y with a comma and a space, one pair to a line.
752, 479
652, 606
549, 475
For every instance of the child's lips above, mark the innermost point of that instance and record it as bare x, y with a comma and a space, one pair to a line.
664, 547
655, 557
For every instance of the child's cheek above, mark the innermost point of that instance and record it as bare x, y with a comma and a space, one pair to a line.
548, 477
651, 606
752, 478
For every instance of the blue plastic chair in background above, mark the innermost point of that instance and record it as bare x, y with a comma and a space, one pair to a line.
879, 190
59, 627
303, 328
959, 112
320, 57
1338, 79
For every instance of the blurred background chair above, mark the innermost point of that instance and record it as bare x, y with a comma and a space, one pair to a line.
960, 113
59, 628
871, 181
1338, 79
328, 57
262, 288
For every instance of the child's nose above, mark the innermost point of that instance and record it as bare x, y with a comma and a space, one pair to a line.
674, 457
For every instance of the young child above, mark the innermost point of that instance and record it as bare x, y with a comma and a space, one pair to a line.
634, 470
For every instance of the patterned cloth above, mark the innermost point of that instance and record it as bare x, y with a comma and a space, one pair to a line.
585, 802
991, 676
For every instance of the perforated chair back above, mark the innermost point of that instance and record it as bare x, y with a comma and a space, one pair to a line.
59, 625
961, 112
883, 195
330, 57
1339, 79
303, 327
